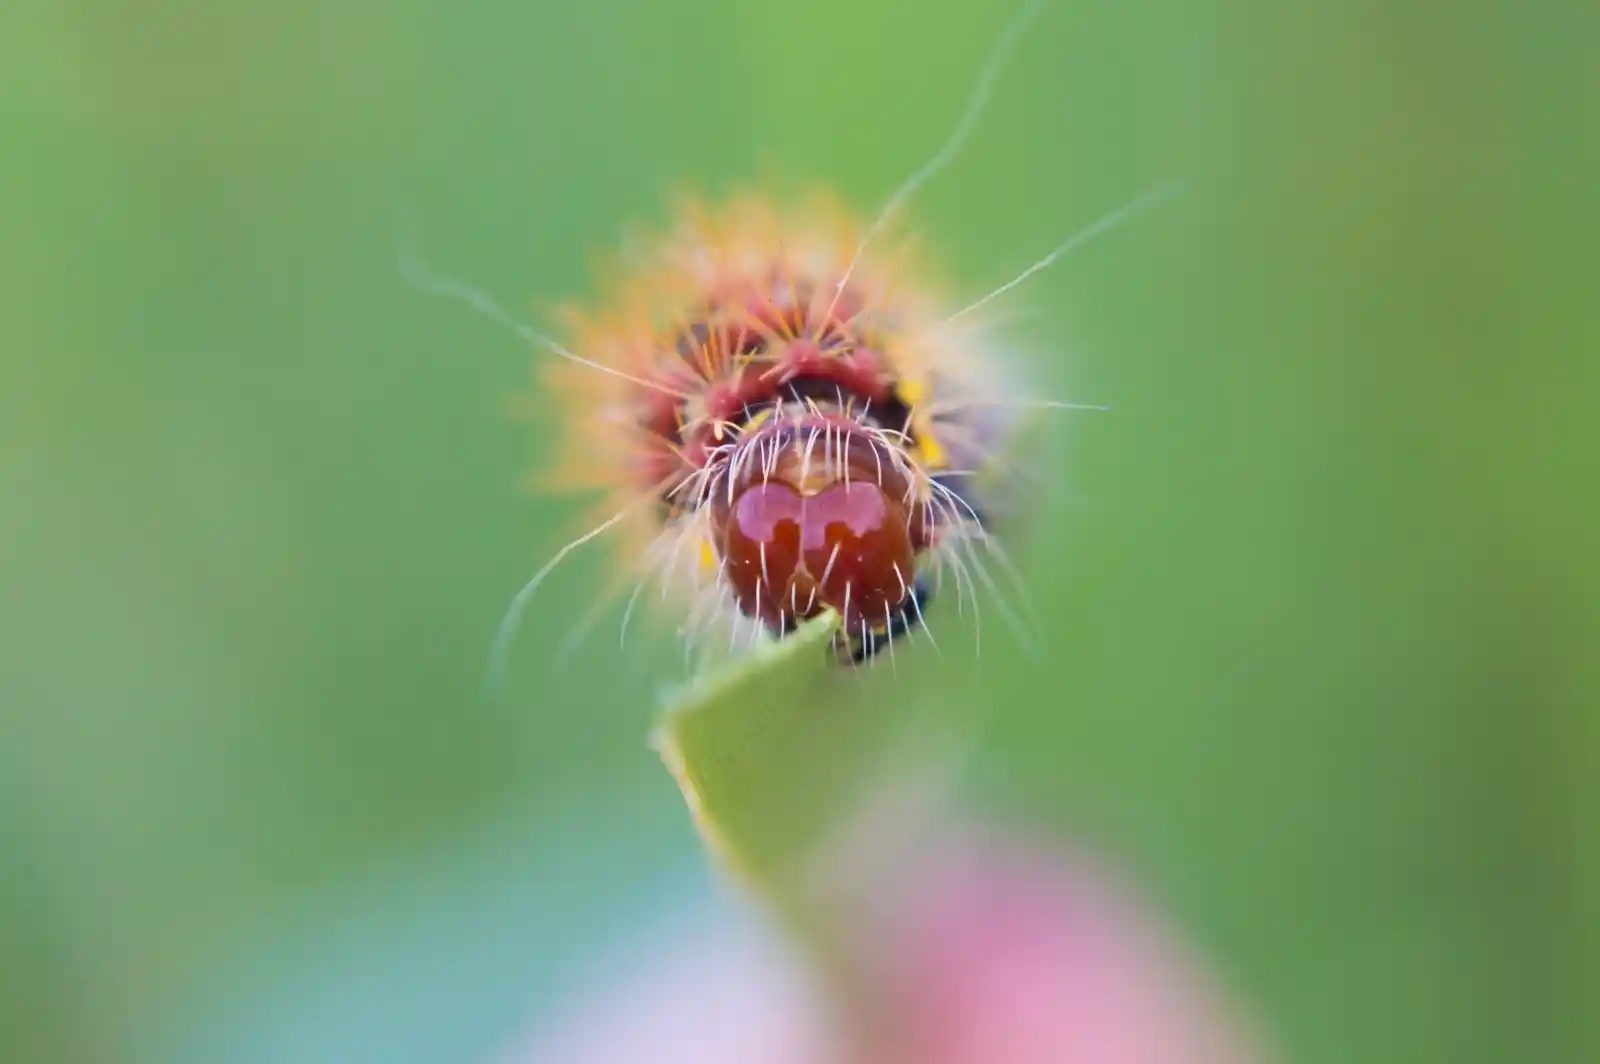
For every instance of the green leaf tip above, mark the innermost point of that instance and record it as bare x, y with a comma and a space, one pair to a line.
774, 751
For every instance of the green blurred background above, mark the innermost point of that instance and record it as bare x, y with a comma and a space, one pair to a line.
1320, 594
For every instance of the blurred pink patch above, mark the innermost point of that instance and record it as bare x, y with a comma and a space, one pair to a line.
995, 953
1007, 955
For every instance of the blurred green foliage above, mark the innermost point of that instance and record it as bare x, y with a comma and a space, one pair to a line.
1319, 595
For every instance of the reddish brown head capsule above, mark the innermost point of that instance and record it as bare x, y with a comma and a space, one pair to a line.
790, 556
818, 518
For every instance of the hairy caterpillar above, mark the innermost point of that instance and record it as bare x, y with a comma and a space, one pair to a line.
785, 415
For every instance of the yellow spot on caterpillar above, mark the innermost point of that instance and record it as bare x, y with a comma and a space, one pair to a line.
930, 452
913, 390
929, 448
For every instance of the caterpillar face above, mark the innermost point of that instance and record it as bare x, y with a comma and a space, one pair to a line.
792, 415
817, 517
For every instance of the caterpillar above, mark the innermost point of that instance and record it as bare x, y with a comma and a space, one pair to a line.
800, 425
785, 413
